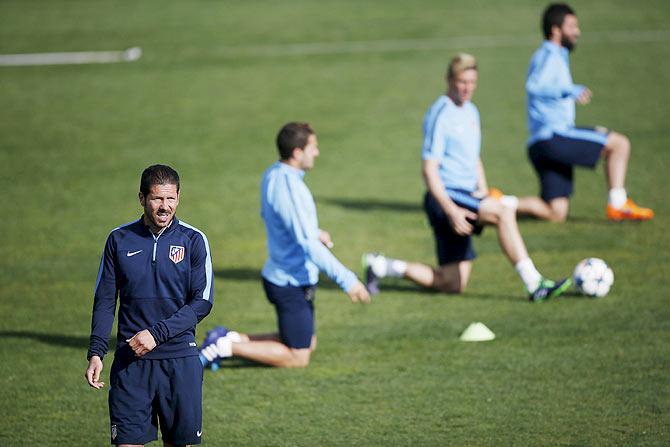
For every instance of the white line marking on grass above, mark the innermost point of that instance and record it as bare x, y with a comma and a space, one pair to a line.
388, 46
85, 57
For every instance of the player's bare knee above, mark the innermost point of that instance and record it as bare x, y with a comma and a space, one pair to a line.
299, 361
299, 358
558, 209
505, 216
558, 216
490, 211
625, 145
618, 143
452, 287
497, 208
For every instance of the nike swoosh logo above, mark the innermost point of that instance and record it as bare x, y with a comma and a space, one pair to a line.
133, 253
199, 433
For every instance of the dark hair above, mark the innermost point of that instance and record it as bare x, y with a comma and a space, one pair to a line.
292, 135
158, 175
554, 16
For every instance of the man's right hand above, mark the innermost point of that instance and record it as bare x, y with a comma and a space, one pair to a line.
458, 217
93, 372
358, 293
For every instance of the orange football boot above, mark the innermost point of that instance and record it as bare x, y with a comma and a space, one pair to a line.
495, 193
629, 211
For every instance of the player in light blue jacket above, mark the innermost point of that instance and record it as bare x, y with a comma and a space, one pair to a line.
458, 202
297, 250
555, 144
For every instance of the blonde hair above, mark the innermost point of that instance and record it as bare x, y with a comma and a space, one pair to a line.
460, 63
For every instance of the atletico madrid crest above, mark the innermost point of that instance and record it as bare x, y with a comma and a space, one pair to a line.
176, 253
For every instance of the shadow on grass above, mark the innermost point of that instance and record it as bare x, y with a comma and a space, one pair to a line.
602, 221
570, 295
574, 295
487, 296
372, 204
237, 363
390, 285
571, 219
253, 274
68, 341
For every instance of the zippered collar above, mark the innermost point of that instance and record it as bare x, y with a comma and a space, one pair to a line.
170, 228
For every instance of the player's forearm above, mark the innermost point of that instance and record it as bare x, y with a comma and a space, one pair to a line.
97, 346
482, 184
330, 265
436, 188
104, 301
102, 321
445, 201
303, 225
99, 340
179, 322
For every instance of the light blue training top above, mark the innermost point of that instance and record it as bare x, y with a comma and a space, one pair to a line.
551, 92
295, 254
452, 136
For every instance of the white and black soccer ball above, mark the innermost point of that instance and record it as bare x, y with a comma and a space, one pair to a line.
593, 277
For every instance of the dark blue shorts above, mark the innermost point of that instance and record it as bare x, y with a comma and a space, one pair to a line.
144, 392
450, 247
295, 312
555, 158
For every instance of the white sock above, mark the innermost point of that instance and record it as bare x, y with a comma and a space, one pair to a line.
222, 348
397, 268
384, 267
377, 263
528, 273
234, 336
617, 197
510, 201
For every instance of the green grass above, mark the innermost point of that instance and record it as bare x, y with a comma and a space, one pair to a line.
74, 139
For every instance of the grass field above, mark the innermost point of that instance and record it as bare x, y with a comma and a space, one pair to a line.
216, 82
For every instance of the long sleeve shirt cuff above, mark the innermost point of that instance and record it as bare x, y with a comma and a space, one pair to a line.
576, 90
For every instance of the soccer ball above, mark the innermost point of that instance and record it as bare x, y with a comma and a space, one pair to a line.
593, 277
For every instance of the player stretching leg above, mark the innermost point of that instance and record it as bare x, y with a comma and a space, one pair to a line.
458, 201
555, 145
297, 251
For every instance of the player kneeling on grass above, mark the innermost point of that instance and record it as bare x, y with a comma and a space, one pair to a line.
297, 251
458, 201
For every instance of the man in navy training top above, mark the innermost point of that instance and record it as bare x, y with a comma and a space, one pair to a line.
297, 250
458, 200
555, 145
161, 270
